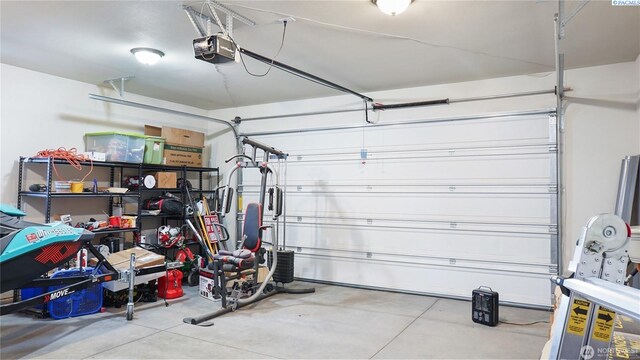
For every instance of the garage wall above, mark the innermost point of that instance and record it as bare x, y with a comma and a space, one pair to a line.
601, 126
41, 111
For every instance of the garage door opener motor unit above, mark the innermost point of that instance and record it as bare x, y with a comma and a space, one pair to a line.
215, 49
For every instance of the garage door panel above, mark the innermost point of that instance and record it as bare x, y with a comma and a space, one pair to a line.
516, 167
524, 288
455, 244
398, 206
463, 132
433, 207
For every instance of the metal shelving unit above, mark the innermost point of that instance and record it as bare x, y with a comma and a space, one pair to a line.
74, 195
182, 172
115, 168
48, 195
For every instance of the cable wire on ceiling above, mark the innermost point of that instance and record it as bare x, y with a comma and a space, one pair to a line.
284, 33
393, 36
206, 26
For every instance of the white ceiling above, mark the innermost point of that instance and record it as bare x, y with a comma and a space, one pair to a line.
347, 42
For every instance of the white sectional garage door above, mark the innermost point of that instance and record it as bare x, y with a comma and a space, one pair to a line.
438, 207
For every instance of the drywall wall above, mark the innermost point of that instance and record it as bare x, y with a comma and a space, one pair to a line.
602, 124
40, 111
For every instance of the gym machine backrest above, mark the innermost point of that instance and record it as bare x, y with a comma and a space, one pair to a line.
243, 258
252, 229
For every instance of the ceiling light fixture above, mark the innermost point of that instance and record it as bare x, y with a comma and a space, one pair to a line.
392, 7
147, 56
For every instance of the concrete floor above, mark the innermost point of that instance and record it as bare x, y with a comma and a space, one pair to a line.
335, 322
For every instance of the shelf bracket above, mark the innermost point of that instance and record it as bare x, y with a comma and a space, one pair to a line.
120, 84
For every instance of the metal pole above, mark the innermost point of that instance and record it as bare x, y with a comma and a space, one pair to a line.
209, 316
302, 74
409, 122
266, 148
282, 116
504, 96
132, 279
627, 188
284, 206
196, 24
559, 59
411, 104
565, 19
451, 101
161, 109
263, 183
239, 194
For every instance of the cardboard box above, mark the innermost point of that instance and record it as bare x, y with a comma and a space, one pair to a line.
182, 147
263, 271
129, 206
144, 258
6, 297
206, 284
176, 136
182, 155
128, 221
166, 180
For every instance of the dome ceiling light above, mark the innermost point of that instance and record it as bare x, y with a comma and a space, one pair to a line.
392, 7
147, 56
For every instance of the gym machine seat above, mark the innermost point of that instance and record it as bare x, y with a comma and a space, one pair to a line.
244, 258
232, 265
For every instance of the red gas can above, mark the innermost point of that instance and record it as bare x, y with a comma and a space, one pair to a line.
171, 285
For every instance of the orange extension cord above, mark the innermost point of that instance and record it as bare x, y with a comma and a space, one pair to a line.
71, 156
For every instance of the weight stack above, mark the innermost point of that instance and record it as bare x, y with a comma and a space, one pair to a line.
284, 270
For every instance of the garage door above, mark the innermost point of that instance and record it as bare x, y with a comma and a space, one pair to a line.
432, 206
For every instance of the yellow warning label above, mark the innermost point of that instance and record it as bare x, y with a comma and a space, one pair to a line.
604, 324
578, 317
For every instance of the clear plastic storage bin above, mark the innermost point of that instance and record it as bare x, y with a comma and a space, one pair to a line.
117, 146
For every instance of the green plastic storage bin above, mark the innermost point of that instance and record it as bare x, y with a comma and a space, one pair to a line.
153, 150
118, 146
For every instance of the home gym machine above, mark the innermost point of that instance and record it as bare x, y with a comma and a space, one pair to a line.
595, 302
249, 254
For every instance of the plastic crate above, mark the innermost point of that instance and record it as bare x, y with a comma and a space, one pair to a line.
153, 150
117, 146
29, 293
82, 302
